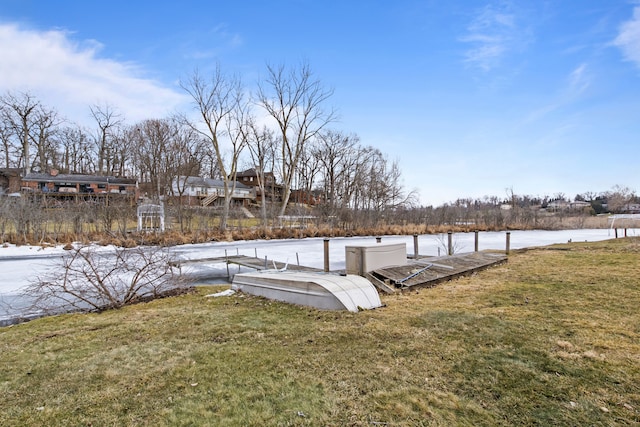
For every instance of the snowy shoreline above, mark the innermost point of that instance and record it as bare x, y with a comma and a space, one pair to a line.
20, 265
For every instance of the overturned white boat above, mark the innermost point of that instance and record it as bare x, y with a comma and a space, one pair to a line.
320, 290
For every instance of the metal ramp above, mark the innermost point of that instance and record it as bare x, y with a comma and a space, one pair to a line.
428, 272
246, 261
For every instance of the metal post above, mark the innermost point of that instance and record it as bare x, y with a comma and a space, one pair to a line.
476, 242
227, 259
298, 259
508, 242
616, 230
326, 255
415, 246
450, 243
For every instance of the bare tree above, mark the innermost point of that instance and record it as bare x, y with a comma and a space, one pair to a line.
107, 120
76, 150
19, 112
261, 144
26, 216
221, 106
9, 148
90, 280
619, 198
184, 158
306, 173
153, 138
333, 150
294, 99
124, 162
43, 136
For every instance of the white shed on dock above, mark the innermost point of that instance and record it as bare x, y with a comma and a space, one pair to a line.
320, 290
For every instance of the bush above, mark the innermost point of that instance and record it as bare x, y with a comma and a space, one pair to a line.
88, 279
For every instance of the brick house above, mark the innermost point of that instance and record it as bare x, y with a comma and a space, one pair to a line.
58, 185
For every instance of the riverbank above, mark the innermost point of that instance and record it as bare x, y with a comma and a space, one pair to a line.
23, 264
550, 337
240, 230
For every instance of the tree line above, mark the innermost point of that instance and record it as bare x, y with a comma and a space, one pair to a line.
285, 127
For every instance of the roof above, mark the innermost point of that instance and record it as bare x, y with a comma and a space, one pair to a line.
78, 179
150, 208
250, 172
209, 182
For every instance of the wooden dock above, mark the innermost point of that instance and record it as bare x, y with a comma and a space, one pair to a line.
417, 273
428, 272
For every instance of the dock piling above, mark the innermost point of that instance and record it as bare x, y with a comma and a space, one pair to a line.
326, 255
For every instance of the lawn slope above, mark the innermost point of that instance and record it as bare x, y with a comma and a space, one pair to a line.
552, 337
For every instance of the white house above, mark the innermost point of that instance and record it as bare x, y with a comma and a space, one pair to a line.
209, 191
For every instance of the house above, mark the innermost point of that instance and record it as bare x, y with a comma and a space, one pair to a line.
579, 205
557, 205
273, 190
78, 187
194, 190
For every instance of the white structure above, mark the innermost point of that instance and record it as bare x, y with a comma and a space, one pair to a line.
208, 190
363, 259
150, 217
325, 291
624, 218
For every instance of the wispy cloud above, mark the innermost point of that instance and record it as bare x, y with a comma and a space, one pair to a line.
70, 76
579, 80
222, 39
576, 84
628, 39
493, 33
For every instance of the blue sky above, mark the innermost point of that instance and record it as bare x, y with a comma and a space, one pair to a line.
471, 97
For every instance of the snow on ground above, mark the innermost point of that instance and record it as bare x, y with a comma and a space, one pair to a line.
20, 265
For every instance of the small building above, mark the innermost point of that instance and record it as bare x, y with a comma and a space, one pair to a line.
194, 190
150, 217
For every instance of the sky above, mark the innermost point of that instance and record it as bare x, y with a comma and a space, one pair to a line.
471, 98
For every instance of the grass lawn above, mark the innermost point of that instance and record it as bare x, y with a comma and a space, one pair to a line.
552, 337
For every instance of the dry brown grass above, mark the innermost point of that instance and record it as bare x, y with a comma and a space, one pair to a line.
247, 230
552, 337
